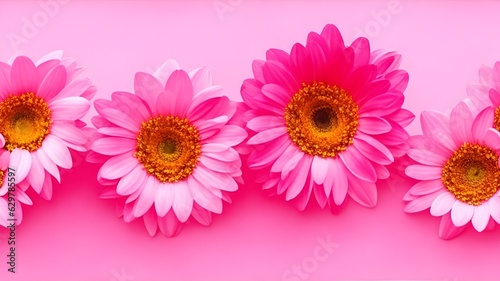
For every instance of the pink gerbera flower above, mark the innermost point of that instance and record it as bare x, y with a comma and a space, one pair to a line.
327, 119
169, 149
40, 110
457, 169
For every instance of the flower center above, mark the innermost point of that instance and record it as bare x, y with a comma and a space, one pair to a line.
472, 174
168, 148
24, 121
321, 119
497, 119
2, 173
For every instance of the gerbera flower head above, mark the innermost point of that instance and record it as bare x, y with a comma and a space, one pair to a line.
327, 119
41, 105
457, 169
169, 149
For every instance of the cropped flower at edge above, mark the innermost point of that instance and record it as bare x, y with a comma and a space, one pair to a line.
327, 119
40, 110
487, 93
169, 150
457, 168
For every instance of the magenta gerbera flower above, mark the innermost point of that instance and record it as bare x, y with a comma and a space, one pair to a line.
40, 110
169, 149
327, 119
457, 169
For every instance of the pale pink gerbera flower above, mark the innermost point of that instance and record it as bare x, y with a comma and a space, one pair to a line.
40, 109
457, 169
327, 119
11, 194
169, 148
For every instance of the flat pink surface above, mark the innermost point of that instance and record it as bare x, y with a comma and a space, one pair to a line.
77, 236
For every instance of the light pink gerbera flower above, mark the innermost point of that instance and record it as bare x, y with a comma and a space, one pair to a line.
169, 148
40, 110
327, 119
457, 169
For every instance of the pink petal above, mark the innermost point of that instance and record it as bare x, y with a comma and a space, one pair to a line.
426, 157
57, 152
229, 135
132, 106
460, 123
363, 192
5, 89
70, 108
299, 176
201, 215
113, 145
426, 187
482, 123
461, 213
24, 76
165, 198
169, 225
437, 126
47, 187
442, 204
481, 217
179, 94
262, 156
339, 183
146, 198
69, 133
373, 149
213, 179
358, 165
494, 203
2, 141
20, 160
373, 125
117, 132
147, 87
267, 135
319, 169
132, 181
287, 152
422, 172
277, 73
202, 196
265, 122
183, 201
422, 202
276, 93
201, 78
492, 139
53, 83
74, 88
36, 176
150, 221
446, 228
118, 166
48, 164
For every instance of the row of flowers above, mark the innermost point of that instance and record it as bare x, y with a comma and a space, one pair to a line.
325, 119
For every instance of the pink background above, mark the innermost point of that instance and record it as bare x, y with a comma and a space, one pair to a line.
77, 236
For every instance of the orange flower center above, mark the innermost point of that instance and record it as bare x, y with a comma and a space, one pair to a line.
168, 148
24, 121
321, 119
472, 174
